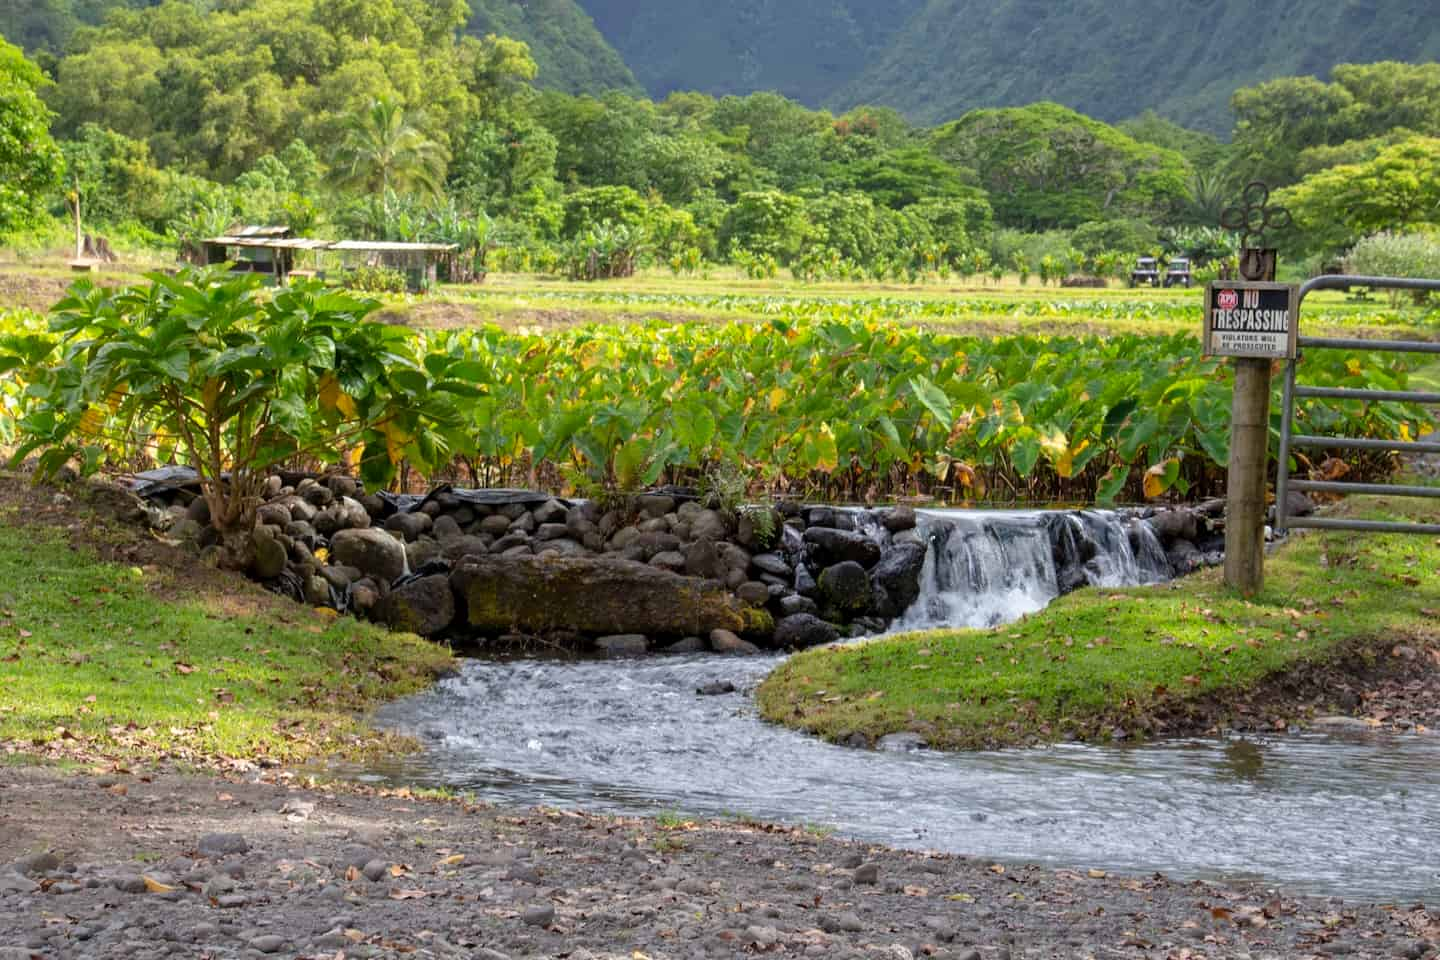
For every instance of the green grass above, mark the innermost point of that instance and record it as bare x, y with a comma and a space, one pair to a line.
108, 661
1102, 657
962, 306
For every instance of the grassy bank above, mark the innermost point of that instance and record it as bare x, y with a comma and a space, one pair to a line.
1162, 659
144, 657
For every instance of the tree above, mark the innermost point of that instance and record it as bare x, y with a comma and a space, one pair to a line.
766, 222
1047, 166
30, 163
495, 163
383, 150
1399, 190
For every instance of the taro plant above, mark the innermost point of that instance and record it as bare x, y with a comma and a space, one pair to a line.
205, 369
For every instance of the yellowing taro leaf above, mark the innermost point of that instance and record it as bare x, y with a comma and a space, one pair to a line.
1352, 366
450, 861
1054, 444
824, 455
1065, 466
155, 886
1160, 477
777, 397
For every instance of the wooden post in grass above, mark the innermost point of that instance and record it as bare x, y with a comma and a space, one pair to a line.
1254, 322
1249, 453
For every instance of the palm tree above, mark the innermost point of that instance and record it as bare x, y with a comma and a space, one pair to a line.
383, 150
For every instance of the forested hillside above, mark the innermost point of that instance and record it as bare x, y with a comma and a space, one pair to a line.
806, 49
931, 59
570, 53
1114, 58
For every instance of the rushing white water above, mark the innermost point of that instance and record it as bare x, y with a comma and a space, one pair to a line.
1354, 817
989, 567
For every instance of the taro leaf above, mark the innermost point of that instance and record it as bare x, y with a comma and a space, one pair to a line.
1115, 418
1112, 483
694, 428
934, 400
1025, 454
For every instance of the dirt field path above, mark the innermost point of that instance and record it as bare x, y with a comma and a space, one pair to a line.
122, 865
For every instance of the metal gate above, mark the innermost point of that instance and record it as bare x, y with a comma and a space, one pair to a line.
1288, 440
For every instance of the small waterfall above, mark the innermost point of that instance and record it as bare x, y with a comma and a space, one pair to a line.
990, 567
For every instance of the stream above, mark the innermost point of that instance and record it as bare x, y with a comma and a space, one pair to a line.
1357, 817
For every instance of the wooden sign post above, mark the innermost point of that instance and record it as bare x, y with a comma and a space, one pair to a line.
1256, 321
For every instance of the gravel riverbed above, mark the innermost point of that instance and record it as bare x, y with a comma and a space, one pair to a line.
127, 865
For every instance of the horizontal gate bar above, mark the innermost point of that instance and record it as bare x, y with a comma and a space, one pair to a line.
1350, 393
1361, 443
1377, 489
1377, 526
1335, 281
1350, 343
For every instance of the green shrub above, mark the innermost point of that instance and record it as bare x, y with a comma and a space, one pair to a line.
374, 280
204, 369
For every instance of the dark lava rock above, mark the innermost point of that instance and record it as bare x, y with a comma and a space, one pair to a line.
272, 513
846, 587
898, 518
425, 606
702, 560
595, 595
656, 542
805, 584
757, 594
623, 645
687, 645
898, 572
551, 511
1172, 525
541, 915
820, 517
723, 641
708, 525
829, 547
772, 563
655, 505
270, 558
457, 548
495, 525
1184, 558
446, 527
716, 688
376, 553
793, 604
804, 630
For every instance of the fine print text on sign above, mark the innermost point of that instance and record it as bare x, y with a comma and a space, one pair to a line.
1249, 318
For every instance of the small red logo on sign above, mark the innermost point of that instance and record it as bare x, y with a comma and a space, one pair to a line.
1227, 299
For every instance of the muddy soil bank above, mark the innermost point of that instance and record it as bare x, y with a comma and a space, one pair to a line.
123, 865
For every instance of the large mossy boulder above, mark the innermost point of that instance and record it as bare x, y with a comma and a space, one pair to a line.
594, 595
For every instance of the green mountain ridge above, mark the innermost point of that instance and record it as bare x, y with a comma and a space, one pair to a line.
935, 59
931, 59
1113, 59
